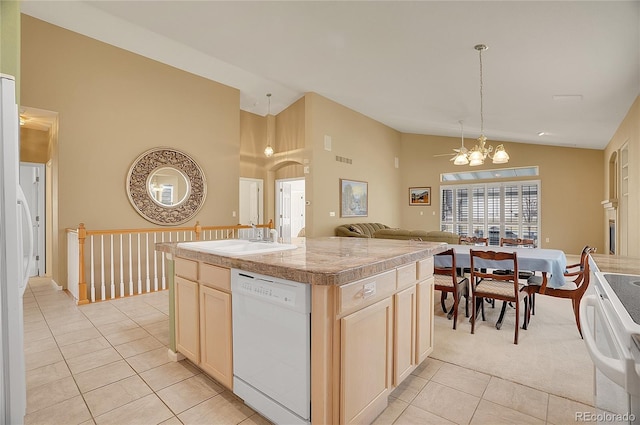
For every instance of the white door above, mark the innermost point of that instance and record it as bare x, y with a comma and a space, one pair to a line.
290, 207
251, 202
33, 185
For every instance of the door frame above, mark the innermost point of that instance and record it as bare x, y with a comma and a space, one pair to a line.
38, 213
278, 203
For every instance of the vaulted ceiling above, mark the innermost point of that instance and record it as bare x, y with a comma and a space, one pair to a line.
570, 69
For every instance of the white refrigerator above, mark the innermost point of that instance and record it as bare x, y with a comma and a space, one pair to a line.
14, 260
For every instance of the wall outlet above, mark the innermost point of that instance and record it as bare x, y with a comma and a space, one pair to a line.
547, 240
421, 212
332, 213
233, 213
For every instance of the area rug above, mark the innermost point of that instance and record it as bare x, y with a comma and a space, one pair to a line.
550, 355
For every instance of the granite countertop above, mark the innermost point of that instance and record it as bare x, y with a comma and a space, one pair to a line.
322, 261
617, 264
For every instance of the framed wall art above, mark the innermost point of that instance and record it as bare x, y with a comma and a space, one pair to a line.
420, 196
354, 200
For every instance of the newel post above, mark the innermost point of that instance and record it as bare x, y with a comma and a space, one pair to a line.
198, 230
82, 284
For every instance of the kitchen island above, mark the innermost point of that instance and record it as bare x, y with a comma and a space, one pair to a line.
371, 315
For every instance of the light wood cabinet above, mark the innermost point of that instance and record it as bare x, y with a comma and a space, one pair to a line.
404, 331
216, 355
187, 318
366, 359
203, 317
424, 319
367, 335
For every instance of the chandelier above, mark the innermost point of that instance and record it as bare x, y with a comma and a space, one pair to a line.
481, 150
268, 151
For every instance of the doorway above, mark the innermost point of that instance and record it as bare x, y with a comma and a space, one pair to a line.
290, 208
251, 201
32, 181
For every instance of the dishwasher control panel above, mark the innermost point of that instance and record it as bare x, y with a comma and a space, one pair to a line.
292, 295
269, 290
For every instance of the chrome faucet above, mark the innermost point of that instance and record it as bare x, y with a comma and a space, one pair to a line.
257, 235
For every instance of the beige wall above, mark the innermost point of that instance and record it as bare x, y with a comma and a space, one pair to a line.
113, 105
372, 148
628, 213
571, 187
10, 41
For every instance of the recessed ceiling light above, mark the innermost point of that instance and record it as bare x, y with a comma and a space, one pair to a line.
542, 133
567, 97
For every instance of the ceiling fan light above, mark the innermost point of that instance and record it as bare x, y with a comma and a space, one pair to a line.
461, 159
501, 156
476, 161
476, 156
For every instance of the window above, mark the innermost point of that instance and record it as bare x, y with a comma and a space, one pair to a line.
507, 210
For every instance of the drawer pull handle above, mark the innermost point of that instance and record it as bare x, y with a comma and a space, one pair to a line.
369, 290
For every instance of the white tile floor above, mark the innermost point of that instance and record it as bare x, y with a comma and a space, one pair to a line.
107, 363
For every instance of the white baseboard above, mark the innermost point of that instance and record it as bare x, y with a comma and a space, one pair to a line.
174, 356
56, 286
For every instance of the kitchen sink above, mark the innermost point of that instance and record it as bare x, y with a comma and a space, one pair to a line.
234, 247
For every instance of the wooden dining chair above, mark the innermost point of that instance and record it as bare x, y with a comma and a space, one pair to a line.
577, 279
447, 281
504, 287
473, 240
520, 243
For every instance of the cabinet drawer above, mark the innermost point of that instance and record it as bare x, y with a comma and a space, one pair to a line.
425, 268
186, 268
362, 292
407, 275
215, 276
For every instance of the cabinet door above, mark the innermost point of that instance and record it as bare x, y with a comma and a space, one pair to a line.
424, 319
404, 334
365, 354
187, 330
215, 335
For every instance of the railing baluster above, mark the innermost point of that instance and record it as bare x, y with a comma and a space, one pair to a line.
155, 264
121, 268
130, 267
164, 282
93, 283
102, 289
147, 261
113, 282
139, 268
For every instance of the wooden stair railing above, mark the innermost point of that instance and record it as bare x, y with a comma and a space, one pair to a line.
133, 248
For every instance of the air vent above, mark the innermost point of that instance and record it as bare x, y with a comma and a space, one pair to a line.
343, 159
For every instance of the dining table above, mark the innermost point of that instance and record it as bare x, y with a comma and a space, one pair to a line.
550, 263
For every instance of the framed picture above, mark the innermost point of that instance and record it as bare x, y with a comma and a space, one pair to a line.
354, 200
419, 196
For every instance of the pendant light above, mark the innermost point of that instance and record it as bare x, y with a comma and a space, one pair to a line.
268, 151
481, 151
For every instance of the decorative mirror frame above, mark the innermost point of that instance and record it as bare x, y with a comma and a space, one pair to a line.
138, 189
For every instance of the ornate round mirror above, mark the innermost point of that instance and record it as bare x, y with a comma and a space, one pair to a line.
166, 186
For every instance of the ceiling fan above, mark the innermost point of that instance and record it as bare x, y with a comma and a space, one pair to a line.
461, 149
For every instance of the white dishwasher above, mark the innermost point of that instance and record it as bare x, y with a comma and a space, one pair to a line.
272, 346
